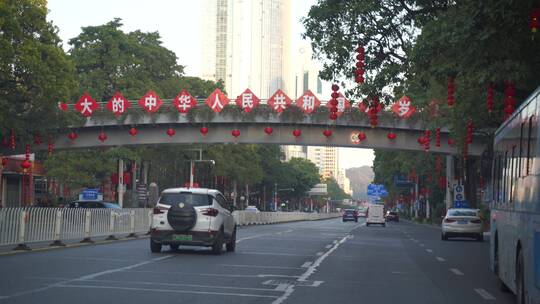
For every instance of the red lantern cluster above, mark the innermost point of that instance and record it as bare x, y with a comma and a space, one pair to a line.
450, 94
373, 110
509, 99
12, 139
427, 140
489, 99
26, 164
535, 16
438, 137
360, 64
469, 136
334, 102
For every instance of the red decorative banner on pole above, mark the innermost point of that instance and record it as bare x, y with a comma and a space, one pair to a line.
118, 105
217, 101
403, 108
86, 105
279, 101
308, 102
150, 102
184, 102
247, 101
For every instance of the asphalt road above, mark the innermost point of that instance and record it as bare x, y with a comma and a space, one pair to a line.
304, 262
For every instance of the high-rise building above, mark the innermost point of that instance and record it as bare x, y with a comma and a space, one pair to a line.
247, 45
294, 152
326, 159
344, 182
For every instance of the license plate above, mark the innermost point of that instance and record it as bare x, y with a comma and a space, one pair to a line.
182, 237
462, 222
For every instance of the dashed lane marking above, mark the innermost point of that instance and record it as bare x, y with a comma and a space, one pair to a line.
484, 294
258, 266
328, 246
306, 264
319, 253
422, 245
429, 250
440, 259
456, 271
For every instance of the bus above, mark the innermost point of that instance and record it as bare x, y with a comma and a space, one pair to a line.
515, 203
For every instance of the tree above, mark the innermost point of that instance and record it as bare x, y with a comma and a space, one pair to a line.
334, 190
300, 175
35, 73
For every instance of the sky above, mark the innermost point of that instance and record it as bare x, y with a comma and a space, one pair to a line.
178, 22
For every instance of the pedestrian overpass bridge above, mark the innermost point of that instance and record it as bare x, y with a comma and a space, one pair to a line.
168, 127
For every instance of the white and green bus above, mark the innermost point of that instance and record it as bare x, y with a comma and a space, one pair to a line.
515, 205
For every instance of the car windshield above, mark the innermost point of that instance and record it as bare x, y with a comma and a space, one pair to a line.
349, 211
186, 198
462, 213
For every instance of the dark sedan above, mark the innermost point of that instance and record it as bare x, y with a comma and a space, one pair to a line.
350, 215
392, 216
93, 204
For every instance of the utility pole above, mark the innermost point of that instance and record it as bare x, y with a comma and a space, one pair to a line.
275, 197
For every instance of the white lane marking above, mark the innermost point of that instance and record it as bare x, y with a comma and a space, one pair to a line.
422, 245
213, 274
456, 271
484, 294
168, 291
250, 237
319, 253
429, 250
306, 264
90, 276
328, 246
258, 266
272, 253
179, 285
275, 276
335, 241
440, 259
415, 240
282, 287
309, 271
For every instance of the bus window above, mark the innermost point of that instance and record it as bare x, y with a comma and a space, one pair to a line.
499, 178
494, 176
505, 177
529, 142
520, 163
512, 175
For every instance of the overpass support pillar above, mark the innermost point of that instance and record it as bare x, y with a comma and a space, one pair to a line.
121, 182
449, 180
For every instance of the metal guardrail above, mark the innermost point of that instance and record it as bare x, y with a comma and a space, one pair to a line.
22, 226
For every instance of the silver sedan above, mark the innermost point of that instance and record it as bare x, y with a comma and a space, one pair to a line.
462, 222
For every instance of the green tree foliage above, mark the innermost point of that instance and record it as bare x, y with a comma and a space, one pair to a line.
240, 163
334, 191
35, 73
299, 174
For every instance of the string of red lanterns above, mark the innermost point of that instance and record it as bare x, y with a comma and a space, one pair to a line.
373, 110
489, 98
450, 91
360, 65
509, 99
334, 102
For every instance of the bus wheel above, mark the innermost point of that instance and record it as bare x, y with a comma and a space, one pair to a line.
520, 284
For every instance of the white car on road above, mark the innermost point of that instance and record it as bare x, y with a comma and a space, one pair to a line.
462, 222
195, 217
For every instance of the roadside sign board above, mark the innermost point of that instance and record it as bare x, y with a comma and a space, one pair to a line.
90, 195
459, 196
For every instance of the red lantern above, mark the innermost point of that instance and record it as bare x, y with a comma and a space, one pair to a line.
204, 131
327, 133
335, 88
509, 100
296, 132
133, 131
4, 161
451, 142
235, 132
102, 136
12, 139
50, 148
268, 130
62, 106
171, 132
451, 87
438, 137
333, 116
391, 135
362, 136
26, 164
470, 127
72, 135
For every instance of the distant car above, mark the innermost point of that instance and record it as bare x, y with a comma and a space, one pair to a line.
375, 215
93, 204
362, 212
252, 209
462, 222
350, 215
392, 216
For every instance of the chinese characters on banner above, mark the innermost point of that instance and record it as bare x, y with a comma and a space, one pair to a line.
247, 101
279, 101
403, 108
217, 101
86, 105
308, 102
150, 102
184, 101
343, 104
118, 105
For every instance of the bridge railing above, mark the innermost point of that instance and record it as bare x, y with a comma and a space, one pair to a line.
23, 226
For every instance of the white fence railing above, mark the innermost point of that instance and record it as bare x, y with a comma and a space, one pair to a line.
22, 226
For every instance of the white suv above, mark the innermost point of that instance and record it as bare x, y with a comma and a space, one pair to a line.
195, 217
